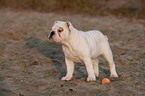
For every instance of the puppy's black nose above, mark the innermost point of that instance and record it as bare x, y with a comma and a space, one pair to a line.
51, 34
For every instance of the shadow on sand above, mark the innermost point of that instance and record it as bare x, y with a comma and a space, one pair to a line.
53, 51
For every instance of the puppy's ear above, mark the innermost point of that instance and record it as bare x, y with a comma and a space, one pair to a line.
69, 25
55, 22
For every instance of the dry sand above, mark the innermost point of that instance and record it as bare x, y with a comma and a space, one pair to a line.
24, 44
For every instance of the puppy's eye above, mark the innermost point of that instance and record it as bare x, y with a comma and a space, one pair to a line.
59, 30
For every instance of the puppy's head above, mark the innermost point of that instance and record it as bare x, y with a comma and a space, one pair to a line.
60, 31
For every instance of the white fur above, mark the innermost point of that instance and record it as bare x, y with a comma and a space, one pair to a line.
79, 46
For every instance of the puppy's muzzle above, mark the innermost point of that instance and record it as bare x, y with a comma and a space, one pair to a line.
51, 34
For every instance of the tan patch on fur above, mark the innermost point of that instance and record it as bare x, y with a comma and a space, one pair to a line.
60, 32
67, 24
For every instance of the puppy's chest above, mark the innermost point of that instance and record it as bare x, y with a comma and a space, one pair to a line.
73, 55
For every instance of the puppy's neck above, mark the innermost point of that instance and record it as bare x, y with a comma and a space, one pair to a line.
68, 45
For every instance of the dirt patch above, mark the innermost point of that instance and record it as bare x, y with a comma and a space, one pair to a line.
24, 42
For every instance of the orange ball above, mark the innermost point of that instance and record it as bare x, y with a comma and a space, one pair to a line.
105, 80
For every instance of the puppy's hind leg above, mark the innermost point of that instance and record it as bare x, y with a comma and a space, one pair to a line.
96, 67
107, 53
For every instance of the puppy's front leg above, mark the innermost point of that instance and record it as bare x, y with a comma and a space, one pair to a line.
90, 69
70, 69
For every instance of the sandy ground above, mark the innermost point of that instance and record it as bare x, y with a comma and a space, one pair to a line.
24, 44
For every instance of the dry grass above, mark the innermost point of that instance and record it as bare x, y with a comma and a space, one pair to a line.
92, 7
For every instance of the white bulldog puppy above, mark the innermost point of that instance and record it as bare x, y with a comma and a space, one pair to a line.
79, 46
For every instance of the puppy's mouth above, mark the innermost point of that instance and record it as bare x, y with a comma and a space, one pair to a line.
51, 39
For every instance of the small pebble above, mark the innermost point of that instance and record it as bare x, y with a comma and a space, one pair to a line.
70, 89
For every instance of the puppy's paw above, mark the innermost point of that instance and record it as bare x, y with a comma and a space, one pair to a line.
114, 75
93, 78
67, 78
